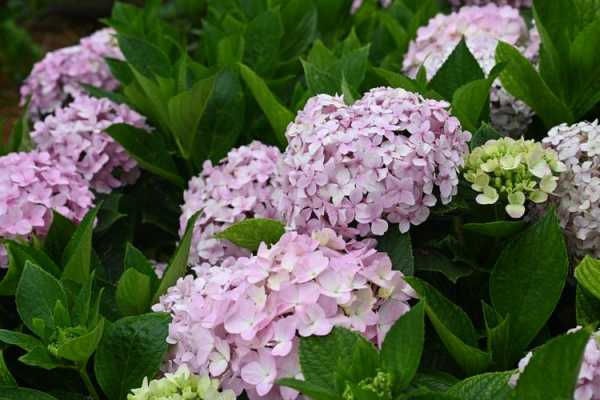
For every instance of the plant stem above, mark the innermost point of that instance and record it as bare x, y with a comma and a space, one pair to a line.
88, 383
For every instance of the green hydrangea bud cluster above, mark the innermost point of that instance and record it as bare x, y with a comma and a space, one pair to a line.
182, 385
513, 171
378, 387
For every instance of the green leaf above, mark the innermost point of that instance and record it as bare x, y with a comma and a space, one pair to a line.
587, 274
144, 56
403, 345
186, 110
498, 336
553, 370
587, 307
178, 265
37, 294
250, 233
134, 292
278, 115
353, 66
18, 255
315, 392
6, 378
453, 326
320, 356
21, 340
132, 348
148, 149
58, 237
521, 80
489, 386
300, 20
459, 69
397, 80
432, 260
483, 134
39, 357
319, 80
434, 380
78, 254
399, 247
137, 260
263, 38
496, 229
8, 393
81, 348
528, 279
470, 103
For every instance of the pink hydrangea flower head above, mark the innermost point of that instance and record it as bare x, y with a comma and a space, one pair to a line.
75, 134
241, 186
578, 194
31, 186
59, 75
512, 3
482, 28
240, 321
359, 168
588, 382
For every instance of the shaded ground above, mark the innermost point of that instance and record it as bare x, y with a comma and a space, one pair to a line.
49, 32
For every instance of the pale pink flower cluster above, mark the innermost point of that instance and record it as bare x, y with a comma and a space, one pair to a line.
241, 186
482, 28
31, 186
512, 3
241, 321
75, 134
578, 192
59, 75
359, 168
588, 382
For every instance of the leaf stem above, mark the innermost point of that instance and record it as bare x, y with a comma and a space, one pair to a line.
88, 383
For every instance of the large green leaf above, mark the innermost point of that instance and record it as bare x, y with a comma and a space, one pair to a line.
263, 38
459, 69
8, 393
148, 149
185, 111
399, 247
132, 348
489, 386
587, 274
310, 389
21, 340
300, 18
18, 255
528, 279
403, 345
178, 265
144, 56
496, 229
553, 370
454, 328
77, 257
250, 233
521, 80
58, 237
134, 292
6, 378
278, 115
482, 135
321, 356
587, 307
36, 297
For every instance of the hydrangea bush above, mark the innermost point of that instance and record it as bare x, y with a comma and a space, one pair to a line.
240, 322
75, 135
578, 192
59, 76
240, 186
378, 162
32, 185
325, 200
482, 28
